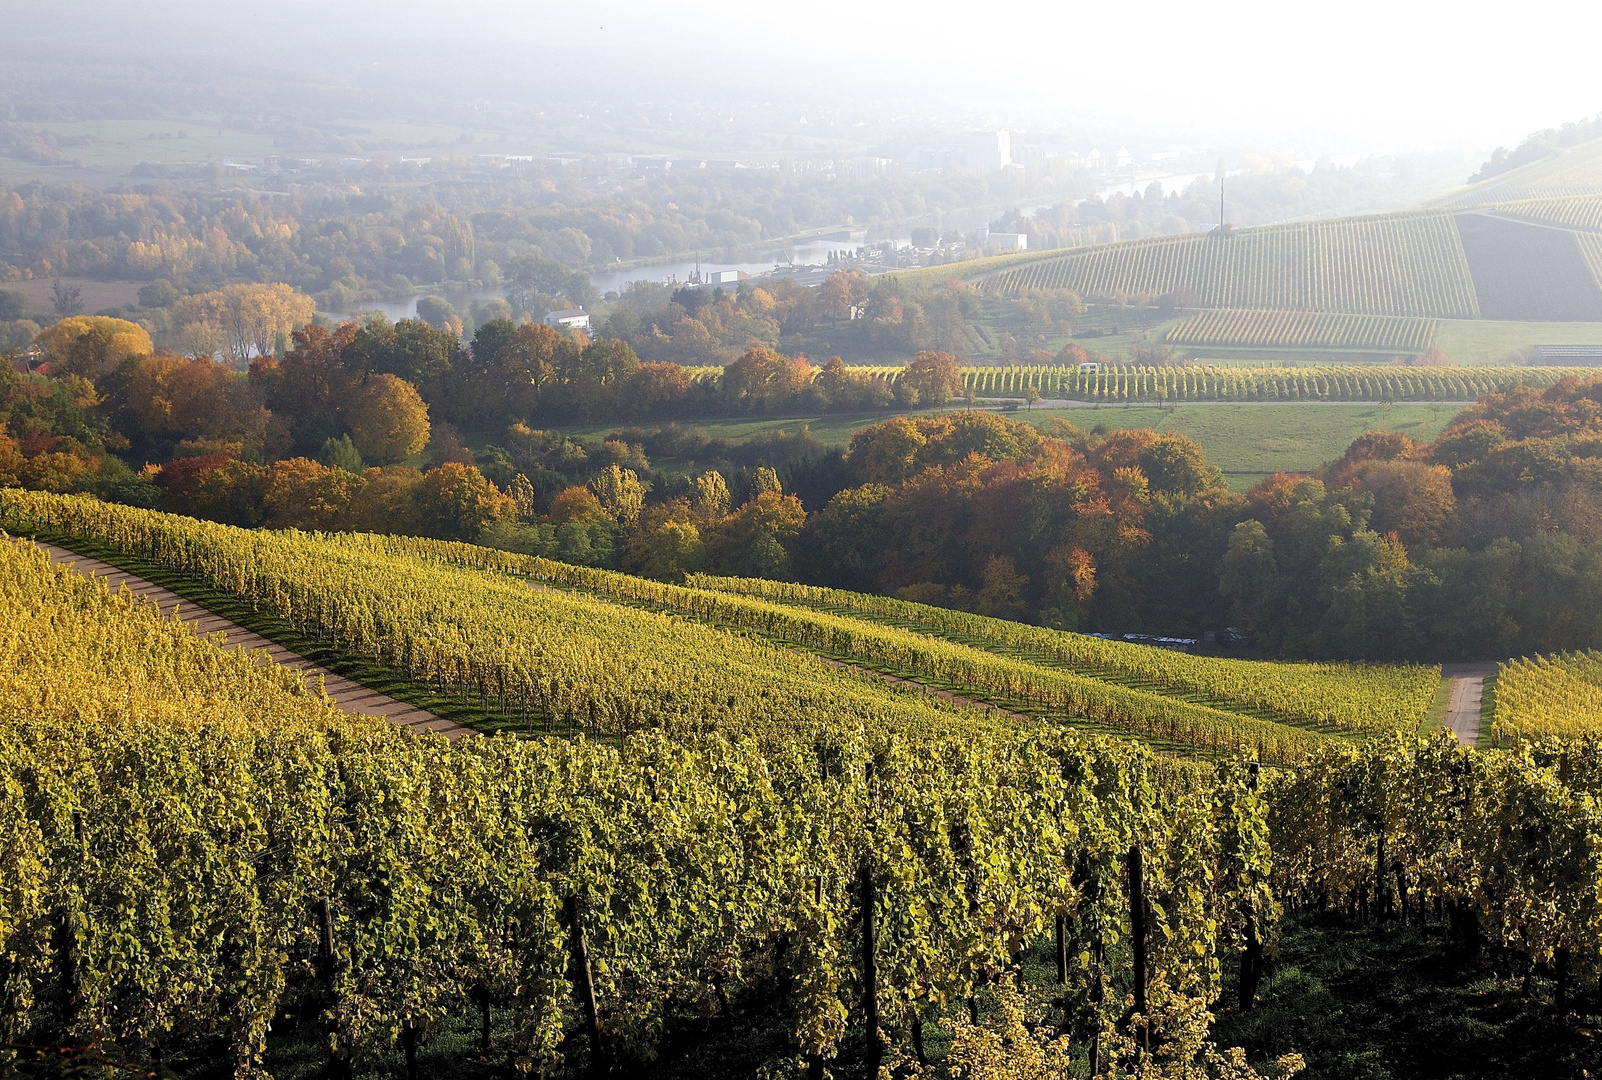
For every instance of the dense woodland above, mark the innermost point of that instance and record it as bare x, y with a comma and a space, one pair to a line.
1485, 541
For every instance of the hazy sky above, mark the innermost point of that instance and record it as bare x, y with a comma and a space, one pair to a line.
1359, 74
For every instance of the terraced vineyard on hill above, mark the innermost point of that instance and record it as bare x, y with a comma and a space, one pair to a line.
1409, 264
1303, 329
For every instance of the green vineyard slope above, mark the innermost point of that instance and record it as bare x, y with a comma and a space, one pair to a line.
1345, 695
1304, 329
1396, 264
1580, 212
1572, 173
562, 660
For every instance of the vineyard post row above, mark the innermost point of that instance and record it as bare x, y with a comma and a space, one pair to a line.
1220, 382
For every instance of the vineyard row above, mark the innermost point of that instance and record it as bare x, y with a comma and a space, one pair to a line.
1303, 329
1129, 382
1351, 696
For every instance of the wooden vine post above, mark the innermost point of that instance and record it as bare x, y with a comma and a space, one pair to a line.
1251, 958
870, 973
1137, 936
339, 1066
585, 983
870, 968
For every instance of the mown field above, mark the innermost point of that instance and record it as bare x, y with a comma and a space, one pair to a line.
1247, 441
1250, 441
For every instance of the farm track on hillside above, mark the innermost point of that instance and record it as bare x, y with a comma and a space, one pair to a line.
350, 695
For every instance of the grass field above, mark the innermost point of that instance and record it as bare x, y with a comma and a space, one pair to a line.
1250, 441
95, 295
1486, 341
98, 151
1247, 441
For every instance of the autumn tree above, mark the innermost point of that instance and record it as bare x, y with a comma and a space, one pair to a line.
247, 320
197, 403
763, 380
755, 540
456, 501
886, 453
619, 493
303, 494
388, 419
307, 388
410, 349
710, 500
935, 376
92, 345
1412, 499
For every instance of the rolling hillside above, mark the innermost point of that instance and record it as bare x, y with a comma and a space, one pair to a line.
1525, 246
547, 646
1572, 173
1391, 264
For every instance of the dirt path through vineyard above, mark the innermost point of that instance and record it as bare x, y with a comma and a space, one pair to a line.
350, 695
1467, 693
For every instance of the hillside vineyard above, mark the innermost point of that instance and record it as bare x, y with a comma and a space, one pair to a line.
1396, 264
1304, 329
1229, 382
562, 660
370, 882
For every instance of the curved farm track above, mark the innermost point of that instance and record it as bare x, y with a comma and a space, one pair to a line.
349, 695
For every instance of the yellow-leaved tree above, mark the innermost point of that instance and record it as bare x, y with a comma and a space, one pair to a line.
244, 320
388, 419
91, 345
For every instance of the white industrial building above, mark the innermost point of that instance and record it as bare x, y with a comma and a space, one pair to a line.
571, 319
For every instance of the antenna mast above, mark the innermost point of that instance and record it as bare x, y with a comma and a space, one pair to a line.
1220, 196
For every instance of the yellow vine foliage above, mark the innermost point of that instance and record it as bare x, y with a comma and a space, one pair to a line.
1549, 695
71, 650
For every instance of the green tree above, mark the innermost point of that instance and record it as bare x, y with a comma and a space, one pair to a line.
341, 453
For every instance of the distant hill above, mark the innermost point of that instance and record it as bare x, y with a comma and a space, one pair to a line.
1522, 246
1409, 264
1576, 171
